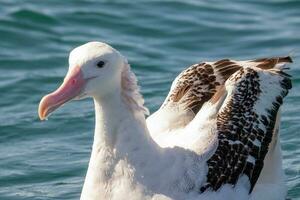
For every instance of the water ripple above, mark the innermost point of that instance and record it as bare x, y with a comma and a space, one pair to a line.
48, 160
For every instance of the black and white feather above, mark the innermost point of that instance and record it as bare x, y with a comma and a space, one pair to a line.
236, 102
245, 125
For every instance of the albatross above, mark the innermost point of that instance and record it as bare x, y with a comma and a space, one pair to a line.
214, 137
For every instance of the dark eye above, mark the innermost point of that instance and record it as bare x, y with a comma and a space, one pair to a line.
101, 64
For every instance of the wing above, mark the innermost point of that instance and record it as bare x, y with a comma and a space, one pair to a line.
245, 123
191, 89
198, 83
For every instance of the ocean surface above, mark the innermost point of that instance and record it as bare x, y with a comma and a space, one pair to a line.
48, 160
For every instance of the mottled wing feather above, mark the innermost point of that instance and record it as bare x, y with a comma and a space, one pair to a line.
245, 124
197, 84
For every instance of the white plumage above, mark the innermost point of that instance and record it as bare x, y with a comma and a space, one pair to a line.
209, 140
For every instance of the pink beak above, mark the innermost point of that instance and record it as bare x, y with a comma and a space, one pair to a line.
70, 88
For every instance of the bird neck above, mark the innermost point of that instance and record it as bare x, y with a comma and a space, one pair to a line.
121, 145
116, 120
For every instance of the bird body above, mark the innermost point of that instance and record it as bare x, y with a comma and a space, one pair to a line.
215, 136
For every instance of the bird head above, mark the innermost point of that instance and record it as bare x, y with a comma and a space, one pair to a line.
94, 69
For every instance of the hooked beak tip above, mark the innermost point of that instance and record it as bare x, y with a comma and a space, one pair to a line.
43, 108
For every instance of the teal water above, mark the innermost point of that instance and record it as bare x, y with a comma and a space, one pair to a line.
48, 160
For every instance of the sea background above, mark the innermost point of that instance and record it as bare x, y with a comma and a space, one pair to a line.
48, 160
